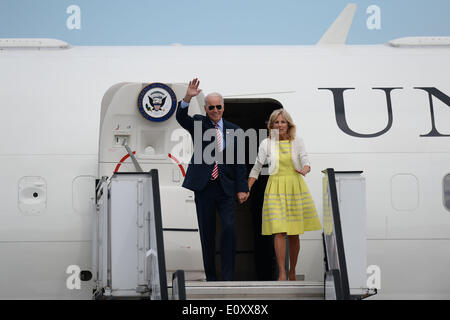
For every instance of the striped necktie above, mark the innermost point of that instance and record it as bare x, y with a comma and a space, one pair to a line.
215, 172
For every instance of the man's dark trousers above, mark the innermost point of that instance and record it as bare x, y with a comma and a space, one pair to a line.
214, 195
207, 201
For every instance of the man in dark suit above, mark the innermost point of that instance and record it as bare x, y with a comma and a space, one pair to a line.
216, 180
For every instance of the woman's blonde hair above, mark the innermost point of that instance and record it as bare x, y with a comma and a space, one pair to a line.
291, 131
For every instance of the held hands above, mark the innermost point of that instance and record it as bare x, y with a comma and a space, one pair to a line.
242, 196
245, 195
192, 90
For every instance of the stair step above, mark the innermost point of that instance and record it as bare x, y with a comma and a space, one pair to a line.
273, 290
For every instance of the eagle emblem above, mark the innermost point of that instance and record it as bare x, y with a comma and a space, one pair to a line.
157, 102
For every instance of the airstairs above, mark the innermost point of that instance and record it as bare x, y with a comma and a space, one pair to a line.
129, 258
252, 290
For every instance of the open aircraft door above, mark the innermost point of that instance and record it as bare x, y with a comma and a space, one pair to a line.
139, 131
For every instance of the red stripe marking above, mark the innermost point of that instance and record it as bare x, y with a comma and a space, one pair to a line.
122, 160
134, 152
179, 164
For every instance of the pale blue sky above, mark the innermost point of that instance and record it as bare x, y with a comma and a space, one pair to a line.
217, 22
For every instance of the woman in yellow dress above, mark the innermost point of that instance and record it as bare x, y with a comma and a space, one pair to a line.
288, 208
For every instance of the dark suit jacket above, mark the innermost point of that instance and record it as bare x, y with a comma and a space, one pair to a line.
232, 176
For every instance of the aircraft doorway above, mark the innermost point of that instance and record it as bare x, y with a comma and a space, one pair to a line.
255, 255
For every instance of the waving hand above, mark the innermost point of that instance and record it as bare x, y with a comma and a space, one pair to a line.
192, 90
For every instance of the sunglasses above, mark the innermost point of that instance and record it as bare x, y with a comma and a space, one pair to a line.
212, 107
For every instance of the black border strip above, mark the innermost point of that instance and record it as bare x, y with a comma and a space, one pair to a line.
180, 229
338, 233
359, 172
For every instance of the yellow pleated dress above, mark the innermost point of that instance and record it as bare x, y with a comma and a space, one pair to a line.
288, 206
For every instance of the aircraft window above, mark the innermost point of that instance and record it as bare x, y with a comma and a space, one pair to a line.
32, 195
446, 185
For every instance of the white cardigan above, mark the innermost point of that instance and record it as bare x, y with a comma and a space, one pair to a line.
268, 152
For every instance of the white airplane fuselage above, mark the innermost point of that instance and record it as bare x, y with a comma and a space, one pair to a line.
51, 107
